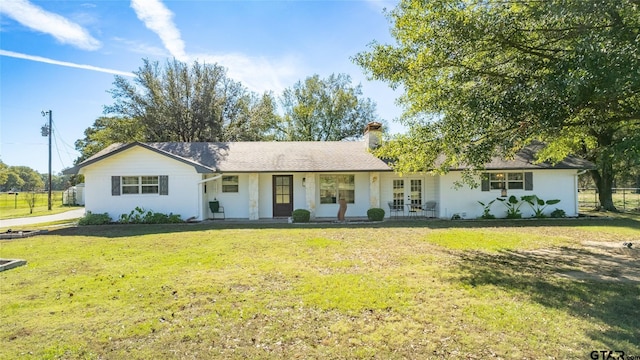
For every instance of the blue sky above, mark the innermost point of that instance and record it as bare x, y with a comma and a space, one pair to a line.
63, 55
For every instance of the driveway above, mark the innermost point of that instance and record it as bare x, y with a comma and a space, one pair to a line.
68, 215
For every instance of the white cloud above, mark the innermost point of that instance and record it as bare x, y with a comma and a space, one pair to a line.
257, 73
158, 19
63, 63
36, 18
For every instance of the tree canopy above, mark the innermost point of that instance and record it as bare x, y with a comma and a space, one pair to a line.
485, 78
19, 178
178, 102
328, 109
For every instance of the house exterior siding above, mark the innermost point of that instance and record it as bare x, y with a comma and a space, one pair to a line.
196, 173
547, 185
182, 198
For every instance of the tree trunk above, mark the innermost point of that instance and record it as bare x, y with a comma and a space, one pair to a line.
604, 182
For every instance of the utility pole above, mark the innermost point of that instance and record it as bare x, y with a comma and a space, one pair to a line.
47, 131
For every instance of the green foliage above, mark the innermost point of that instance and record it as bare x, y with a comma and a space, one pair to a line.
140, 216
513, 207
106, 131
301, 215
95, 219
538, 205
375, 214
485, 78
486, 210
197, 102
558, 213
324, 110
20, 178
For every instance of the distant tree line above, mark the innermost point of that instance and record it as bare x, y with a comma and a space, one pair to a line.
23, 179
200, 103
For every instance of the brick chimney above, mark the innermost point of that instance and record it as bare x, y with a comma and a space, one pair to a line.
373, 135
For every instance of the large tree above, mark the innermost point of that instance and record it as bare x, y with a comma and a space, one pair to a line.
179, 102
106, 131
485, 78
328, 109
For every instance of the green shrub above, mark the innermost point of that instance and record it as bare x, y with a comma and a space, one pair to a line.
486, 210
301, 215
513, 207
94, 219
558, 213
375, 214
140, 216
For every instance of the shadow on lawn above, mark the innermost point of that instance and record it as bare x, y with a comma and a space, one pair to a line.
596, 286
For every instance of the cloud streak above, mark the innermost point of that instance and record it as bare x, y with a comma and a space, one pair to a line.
63, 63
38, 19
157, 18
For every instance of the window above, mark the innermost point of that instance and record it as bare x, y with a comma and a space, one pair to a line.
230, 184
131, 185
334, 188
507, 180
140, 185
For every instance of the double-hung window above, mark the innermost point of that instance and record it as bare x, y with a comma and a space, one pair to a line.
230, 184
516, 180
132, 185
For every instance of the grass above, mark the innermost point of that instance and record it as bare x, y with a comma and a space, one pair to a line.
12, 206
434, 289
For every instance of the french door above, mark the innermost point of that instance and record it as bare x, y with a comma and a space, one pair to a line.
407, 191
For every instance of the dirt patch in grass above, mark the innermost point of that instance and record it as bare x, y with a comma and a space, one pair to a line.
605, 261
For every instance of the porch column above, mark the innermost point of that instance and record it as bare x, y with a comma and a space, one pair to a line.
254, 196
374, 189
310, 193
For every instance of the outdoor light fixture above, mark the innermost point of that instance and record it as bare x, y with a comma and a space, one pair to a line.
503, 193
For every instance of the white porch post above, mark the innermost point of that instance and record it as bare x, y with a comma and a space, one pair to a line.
374, 189
310, 193
254, 196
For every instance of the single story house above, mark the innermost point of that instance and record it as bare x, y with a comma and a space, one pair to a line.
255, 180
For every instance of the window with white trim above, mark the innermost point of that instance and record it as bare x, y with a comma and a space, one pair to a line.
140, 185
133, 185
230, 184
507, 180
334, 188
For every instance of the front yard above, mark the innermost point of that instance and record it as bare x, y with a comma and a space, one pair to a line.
439, 289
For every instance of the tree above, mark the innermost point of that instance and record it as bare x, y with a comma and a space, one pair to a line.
485, 78
30, 197
182, 103
4, 173
106, 131
31, 180
324, 110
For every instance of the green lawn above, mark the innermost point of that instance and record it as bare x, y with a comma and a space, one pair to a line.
12, 206
437, 289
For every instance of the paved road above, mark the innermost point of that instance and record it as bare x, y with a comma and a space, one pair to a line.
68, 215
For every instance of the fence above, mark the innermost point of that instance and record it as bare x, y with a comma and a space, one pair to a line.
625, 199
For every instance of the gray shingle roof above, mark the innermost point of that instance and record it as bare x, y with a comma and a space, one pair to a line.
302, 156
283, 156
525, 159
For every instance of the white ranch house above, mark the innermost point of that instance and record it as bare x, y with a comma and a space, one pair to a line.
256, 180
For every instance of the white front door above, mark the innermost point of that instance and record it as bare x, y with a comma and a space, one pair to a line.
407, 191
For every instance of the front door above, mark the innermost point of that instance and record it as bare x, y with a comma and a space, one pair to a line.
282, 195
